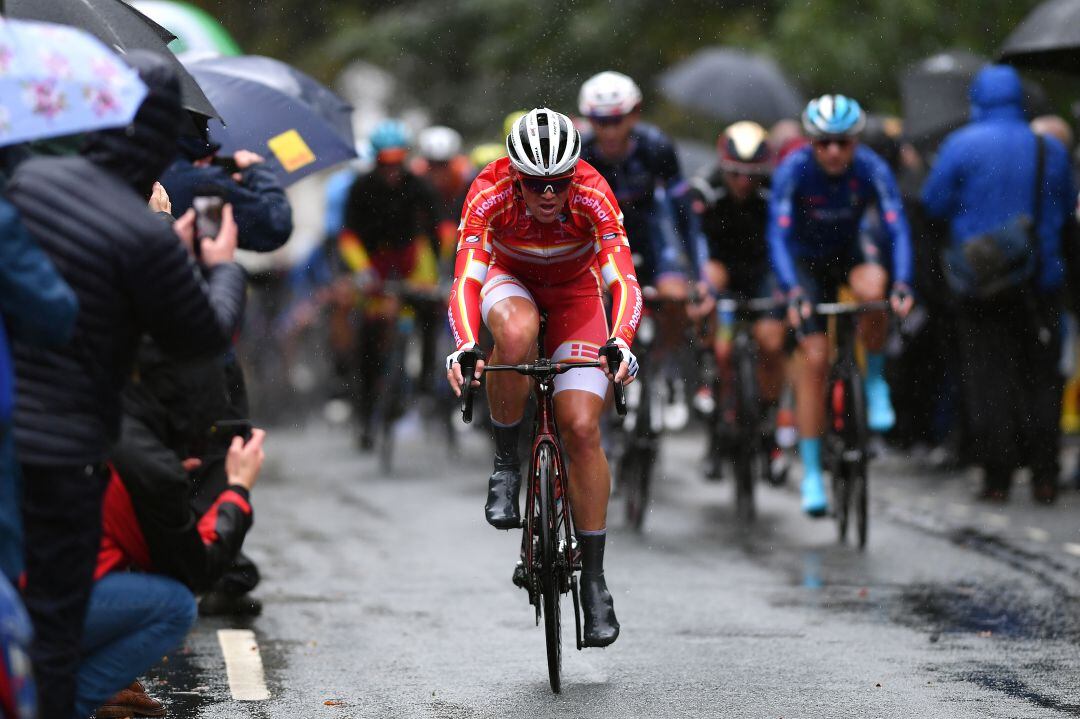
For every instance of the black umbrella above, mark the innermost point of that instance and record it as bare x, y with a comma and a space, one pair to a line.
276, 110
732, 85
1048, 38
934, 94
118, 25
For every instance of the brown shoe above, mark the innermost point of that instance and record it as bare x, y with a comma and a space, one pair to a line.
131, 702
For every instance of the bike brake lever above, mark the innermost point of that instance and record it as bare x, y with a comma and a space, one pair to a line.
614, 357
468, 369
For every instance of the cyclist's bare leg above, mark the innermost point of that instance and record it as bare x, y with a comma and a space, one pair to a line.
812, 361
811, 368
769, 335
578, 416
514, 323
716, 275
868, 283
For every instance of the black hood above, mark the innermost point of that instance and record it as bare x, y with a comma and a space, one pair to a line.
140, 152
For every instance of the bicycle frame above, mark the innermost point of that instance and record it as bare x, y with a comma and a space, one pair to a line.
546, 432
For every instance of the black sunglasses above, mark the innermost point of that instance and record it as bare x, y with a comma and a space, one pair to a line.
842, 142
609, 121
543, 185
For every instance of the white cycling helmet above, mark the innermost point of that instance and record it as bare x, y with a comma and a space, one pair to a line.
609, 94
438, 143
543, 143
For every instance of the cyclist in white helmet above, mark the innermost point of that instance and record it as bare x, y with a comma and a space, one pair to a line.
542, 232
641, 165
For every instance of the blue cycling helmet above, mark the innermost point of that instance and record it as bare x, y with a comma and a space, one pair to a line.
389, 135
833, 116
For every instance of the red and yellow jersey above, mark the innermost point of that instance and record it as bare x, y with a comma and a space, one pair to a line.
588, 237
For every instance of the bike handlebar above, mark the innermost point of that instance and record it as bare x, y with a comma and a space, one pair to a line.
756, 306
850, 308
541, 368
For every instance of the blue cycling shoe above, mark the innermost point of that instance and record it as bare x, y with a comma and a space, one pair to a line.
814, 500
879, 409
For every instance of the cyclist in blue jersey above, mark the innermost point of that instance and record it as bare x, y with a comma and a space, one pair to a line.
640, 164
834, 204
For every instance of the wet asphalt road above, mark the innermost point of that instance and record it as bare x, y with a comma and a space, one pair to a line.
390, 597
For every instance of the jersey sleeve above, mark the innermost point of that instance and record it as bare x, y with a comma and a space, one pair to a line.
482, 205
781, 220
616, 264
893, 219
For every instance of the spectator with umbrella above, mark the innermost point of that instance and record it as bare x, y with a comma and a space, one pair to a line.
131, 275
1004, 265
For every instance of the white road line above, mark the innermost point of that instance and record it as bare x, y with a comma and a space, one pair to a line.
1037, 535
243, 664
1071, 548
999, 521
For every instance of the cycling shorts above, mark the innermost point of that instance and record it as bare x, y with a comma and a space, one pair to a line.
752, 287
822, 278
576, 323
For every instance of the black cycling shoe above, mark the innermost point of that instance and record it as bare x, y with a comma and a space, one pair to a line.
601, 626
501, 509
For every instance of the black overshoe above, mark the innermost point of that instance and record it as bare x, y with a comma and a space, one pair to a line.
601, 626
501, 509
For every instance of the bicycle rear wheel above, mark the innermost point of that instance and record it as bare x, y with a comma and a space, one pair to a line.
549, 569
748, 441
391, 399
836, 446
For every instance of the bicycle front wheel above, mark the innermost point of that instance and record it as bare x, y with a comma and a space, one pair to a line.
858, 479
549, 569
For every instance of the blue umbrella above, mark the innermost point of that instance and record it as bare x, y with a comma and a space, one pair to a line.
56, 80
269, 107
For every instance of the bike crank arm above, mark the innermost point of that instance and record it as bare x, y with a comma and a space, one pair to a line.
577, 611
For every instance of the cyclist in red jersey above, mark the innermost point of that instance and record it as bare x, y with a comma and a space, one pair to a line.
541, 231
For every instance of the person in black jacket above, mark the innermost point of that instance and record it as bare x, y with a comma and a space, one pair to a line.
264, 218
165, 431
131, 276
262, 211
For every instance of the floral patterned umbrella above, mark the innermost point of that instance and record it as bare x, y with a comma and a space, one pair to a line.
56, 80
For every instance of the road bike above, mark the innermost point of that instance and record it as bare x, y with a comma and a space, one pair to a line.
739, 430
549, 557
393, 384
846, 431
636, 444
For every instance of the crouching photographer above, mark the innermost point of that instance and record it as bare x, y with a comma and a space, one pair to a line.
157, 548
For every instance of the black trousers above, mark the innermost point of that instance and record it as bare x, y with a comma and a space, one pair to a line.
62, 518
1012, 387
